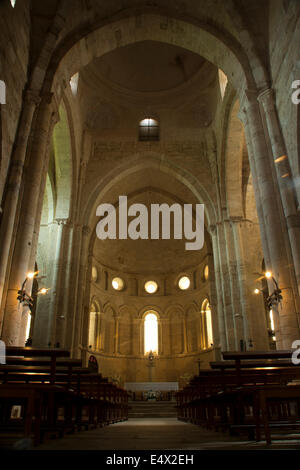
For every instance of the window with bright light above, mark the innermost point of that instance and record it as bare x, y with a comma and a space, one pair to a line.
94, 327
184, 283
151, 333
94, 274
118, 283
151, 287
207, 324
272, 320
13, 2
74, 83
28, 326
223, 80
149, 129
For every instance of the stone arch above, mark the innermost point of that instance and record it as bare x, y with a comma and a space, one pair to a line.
151, 338
206, 324
148, 161
203, 37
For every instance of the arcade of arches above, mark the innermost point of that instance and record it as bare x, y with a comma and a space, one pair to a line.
184, 102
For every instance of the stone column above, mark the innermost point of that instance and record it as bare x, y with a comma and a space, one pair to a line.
8, 222
252, 306
234, 283
284, 176
227, 304
57, 292
73, 285
25, 234
272, 216
116, 335
80, 289
184, 334
220, 307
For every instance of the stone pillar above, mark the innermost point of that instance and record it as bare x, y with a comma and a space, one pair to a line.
220, 307
25, 234
116, 335
252, 306
57, 292
80, 289
234, 283
184, 333
13, 186
227, 304
272, 217
284, 176
73, 285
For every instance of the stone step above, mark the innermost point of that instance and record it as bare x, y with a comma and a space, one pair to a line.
152, 410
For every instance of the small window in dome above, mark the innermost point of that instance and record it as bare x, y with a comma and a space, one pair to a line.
149, 130
151, 287
118, 283
184, 283
13, 2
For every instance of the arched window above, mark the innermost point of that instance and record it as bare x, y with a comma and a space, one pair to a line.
149, 129
150, 333
94, 327
223, 80
207, 325
74, 83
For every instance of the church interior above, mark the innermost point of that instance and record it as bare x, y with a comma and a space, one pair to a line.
169, 104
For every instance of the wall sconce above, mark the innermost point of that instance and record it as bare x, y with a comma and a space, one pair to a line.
274, 298
25, 298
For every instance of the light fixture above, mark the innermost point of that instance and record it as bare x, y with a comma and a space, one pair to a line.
151, 287
117, 283
274, 298
43, 290
25, 298
184, 283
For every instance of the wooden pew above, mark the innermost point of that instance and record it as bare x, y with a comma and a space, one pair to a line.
258, 381
43, 383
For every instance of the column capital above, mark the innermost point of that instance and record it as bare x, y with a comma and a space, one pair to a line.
59, 221
267, 98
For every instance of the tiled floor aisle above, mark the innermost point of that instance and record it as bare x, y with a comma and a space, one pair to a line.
151, 433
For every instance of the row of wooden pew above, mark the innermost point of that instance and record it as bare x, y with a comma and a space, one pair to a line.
248, 393
43, 392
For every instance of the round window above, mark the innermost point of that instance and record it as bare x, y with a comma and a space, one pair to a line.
117, 283
151, 287
184, 283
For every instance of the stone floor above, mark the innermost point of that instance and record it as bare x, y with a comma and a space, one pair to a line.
156, 433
